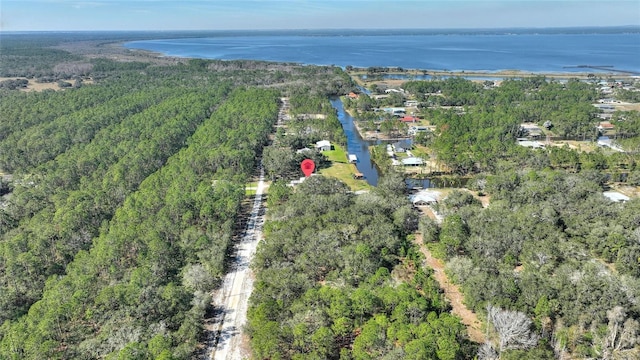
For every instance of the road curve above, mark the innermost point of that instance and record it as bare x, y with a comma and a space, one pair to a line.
232, 299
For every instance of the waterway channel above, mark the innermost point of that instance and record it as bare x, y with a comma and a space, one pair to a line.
356, 144
360, 147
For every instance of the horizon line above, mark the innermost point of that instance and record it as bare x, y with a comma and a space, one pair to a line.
637, 26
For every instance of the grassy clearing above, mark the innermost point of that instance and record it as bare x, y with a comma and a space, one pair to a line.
420, 151
337, 155
344, 172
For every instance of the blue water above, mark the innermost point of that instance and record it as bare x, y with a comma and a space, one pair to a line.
356, 144
527, 50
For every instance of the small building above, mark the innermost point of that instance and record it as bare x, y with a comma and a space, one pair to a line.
605, 126
379, 96
353, 95
411, 103
409, 119
412, 161
402, 146
416, 129
532, 130
323, 145
530, 144
605, 141
358, 176
400, 91
352, 158
303, 150
424, 198
605, 107
616, 196
394, 110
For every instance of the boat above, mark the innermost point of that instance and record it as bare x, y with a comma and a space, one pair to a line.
353, 158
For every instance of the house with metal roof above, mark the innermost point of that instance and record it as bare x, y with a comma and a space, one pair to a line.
323, 145
412, 161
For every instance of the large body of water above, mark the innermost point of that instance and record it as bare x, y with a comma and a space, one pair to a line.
528, 50
535, 50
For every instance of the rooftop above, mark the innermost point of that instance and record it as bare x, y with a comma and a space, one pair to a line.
616, 196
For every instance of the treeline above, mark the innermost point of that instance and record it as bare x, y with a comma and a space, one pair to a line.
142, 289
42, 142
330, 283
553, 247
59, 216
20, 110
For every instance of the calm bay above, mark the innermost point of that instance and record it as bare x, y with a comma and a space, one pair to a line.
534, 50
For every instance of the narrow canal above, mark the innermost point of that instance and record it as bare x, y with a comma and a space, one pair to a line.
360, 147
356, 144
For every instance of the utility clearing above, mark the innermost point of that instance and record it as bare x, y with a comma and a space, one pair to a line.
453, 294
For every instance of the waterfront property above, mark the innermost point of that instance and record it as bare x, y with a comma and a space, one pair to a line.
323, 145
412, 161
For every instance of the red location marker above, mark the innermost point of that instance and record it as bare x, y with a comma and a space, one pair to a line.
307, 166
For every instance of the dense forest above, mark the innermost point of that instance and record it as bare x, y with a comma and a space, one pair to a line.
337, 278
121, 194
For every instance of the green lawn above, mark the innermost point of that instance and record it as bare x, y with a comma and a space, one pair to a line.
420, 151
337, 155
344, 172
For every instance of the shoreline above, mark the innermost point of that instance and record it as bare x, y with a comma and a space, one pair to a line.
358, 71
506, 73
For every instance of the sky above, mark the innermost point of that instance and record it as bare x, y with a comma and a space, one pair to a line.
76, 15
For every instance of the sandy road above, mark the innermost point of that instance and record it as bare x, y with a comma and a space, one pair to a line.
232, 299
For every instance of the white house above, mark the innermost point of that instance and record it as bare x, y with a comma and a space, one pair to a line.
323, 145
424, 197
422, 200
412, 161
303, 150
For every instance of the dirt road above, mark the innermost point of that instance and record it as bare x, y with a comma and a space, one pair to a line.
231, 299
452, 293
